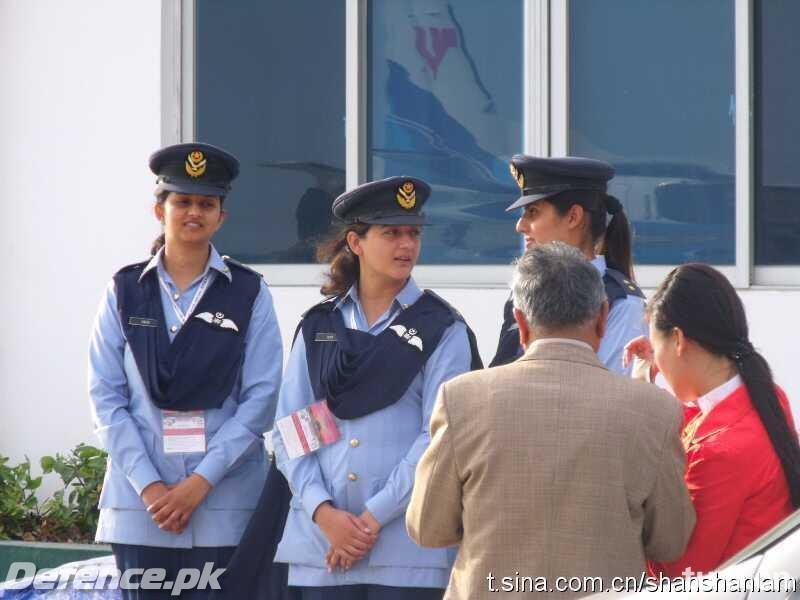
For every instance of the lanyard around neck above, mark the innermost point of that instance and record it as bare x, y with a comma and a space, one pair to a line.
182, 317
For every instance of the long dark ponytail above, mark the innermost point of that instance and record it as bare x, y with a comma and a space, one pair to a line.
344, 267
701, 302
612, 238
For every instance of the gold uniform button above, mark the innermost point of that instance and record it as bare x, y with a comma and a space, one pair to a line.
352, 477
354, 443
174, 328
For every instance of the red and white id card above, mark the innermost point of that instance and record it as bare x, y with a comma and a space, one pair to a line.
308, 429
183, 432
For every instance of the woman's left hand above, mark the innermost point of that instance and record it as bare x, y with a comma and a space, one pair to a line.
371, 521
334, 560
173, 510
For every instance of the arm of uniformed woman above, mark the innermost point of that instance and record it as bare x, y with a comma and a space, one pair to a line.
260, 381
452, 357
108, 391
668, 513
434, 516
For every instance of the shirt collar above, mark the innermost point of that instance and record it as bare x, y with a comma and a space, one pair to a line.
708, 401
579, 343
405, 297
215, 262
599, 262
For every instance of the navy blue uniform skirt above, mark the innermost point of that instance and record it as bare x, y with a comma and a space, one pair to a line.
172, 560
368, 592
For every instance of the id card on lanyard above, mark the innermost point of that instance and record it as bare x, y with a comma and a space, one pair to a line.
184, 431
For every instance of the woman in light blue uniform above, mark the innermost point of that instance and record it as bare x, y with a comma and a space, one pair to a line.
184, 371
376, 350
565, 200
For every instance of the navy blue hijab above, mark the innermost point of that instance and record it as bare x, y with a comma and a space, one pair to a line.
199, 368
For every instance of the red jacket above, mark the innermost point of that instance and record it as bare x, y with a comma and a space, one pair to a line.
735, 479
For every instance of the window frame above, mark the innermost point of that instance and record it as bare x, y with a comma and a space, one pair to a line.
545, 123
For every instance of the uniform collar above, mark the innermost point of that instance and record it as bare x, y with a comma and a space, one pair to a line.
405, 298
708, 401
599, 262
214, 262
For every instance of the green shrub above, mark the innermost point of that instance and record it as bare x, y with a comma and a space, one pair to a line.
70, 515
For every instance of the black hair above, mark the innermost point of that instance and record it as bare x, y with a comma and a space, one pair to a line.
700, 301
612, 238
158, 243
344, 266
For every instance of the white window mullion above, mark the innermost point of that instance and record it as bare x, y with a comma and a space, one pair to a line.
559, 78
536, 78
744, 143
355, 93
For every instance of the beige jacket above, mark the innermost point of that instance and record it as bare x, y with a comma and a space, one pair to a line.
551, 467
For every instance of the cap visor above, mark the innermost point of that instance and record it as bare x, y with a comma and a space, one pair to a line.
395, 220
192, 188
525, 200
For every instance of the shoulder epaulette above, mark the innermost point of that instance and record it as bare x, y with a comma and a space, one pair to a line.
446, 304
623, 283
326, 304
133, 267
235, 263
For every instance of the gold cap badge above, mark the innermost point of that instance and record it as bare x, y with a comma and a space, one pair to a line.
406, 196
518, 177
195, 164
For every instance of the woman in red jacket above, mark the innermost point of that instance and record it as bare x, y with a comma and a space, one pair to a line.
743, 458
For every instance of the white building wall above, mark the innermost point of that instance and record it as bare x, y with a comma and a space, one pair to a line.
79, 113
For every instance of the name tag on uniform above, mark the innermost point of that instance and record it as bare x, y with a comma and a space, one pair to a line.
308, 430
142, 322
325, 337
183, 432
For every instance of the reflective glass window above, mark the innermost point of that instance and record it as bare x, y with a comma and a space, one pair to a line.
445, 104
651, 90
270, 88
777, 133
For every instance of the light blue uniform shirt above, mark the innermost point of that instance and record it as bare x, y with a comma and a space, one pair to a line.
371, 467
625, 322
129, 425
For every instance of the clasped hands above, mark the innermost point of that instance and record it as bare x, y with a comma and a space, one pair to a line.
350, 537
171, 506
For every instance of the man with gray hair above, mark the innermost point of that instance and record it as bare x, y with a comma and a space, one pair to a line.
551, 467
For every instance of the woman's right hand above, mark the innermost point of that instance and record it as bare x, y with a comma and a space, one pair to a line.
639, 347
153, 492
347, 534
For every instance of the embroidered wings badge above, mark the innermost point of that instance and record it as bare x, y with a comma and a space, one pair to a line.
410, 335
218, 319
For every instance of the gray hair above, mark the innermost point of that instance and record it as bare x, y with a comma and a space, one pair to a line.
555, 287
